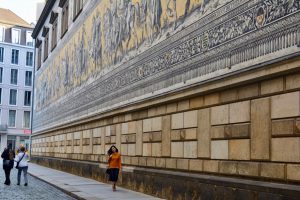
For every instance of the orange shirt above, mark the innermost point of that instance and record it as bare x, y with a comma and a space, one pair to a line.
114, 161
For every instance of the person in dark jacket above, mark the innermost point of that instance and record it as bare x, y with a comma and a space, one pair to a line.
8, 156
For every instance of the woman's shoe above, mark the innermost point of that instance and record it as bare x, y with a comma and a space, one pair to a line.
25, 184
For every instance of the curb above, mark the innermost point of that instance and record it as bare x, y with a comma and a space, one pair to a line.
71, 194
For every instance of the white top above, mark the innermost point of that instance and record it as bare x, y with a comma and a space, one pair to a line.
24, 161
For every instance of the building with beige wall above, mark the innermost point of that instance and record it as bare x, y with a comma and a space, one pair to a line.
201, 97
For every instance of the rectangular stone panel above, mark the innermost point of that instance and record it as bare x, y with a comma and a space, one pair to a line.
156, 149
166, 136
156, 124
228, 95
190, 119
260, 129
282, 127
293, 172
107, 131
196, 102
124, 128
285, 105
272, 170
147, 149
177, 135
240, 131
177, 121
160, 162
228, 167
219, 149
139, 138
211, 99
272, 86
190, 149
177, 149
196, 165
239, 112
171, 163
203, 133
124, 149
292, 81
220, 115
183, 164
183, 105
171, 108
190, 134
218, 132
286, 149
211, 166
239, 149
131, 127
131, 149
248, 169
248, 91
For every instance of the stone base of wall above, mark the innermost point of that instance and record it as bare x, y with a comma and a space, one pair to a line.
178, 185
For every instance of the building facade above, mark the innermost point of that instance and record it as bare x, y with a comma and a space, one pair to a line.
16, 80
202, 98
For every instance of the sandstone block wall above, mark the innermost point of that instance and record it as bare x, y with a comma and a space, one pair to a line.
249, 131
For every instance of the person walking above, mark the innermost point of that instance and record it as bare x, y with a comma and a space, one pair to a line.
114, 165
8, 156
22, 165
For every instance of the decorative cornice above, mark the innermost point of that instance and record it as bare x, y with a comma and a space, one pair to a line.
44, 15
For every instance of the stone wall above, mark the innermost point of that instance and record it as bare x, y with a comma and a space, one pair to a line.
248, 131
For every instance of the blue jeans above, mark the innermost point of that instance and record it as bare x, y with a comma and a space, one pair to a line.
24, 169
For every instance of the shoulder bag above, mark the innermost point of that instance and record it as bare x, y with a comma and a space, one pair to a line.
17, 166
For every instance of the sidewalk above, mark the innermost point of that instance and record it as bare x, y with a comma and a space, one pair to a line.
82, 188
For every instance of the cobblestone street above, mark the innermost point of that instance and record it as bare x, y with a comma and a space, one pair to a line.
36, 189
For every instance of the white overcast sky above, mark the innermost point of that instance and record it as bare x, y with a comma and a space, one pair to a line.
26, 9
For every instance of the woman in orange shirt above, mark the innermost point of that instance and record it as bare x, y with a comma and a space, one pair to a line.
114, 165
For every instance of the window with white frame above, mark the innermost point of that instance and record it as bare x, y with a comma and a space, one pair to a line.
2, 34
29, 39
12, 118
15, 35
28, 78
14, 76
29, 58
1, 54
77, 7
26, 119
27, 98
13, 97
1, 73
15, 56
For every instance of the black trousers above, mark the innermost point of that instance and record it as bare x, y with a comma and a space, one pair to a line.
7, 175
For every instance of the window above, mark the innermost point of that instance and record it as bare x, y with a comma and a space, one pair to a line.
64, 20
14, 76
12, 118
29, 40
13, 97
15, 36
27, 98
26, 119
1, 72
46, 45
2, 34
15, 56
54, 34
39, 61
1, 54
28, 78
77, 8
0, 95
29, 58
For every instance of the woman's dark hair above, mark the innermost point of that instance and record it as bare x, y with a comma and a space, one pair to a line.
22, 149
109, 152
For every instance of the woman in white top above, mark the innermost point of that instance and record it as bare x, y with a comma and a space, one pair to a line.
22, 165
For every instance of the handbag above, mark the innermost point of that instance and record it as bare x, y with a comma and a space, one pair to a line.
17, 166
6, 162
